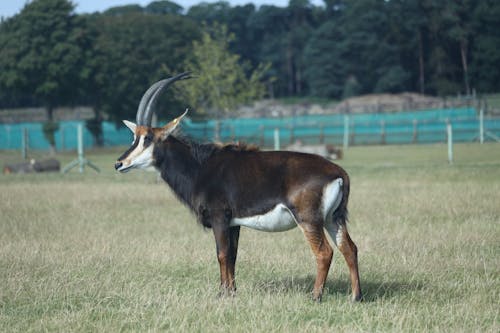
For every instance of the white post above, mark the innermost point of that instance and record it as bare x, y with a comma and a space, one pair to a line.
25, 143
61, 131
449, 130
276, 139
346, 131
217, 131
81, 161
80, 146
481, 125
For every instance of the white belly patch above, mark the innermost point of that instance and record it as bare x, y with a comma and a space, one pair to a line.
280, 218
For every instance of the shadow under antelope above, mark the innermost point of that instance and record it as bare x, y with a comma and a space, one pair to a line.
229, 186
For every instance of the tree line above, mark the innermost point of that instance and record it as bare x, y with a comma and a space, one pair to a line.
51, 56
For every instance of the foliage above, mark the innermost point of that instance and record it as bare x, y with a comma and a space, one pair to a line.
163, 7
221, 83
41, 55
124, 10
485, 53
131, 51
50, 56
40, 52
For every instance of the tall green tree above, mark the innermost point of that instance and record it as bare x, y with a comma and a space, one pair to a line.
281, 37
124, 10
41, 55
235, 19
408, 30
131, 51
356, 47
268, 26
221, 83
164, 7
457, 17
485, 53
446, 75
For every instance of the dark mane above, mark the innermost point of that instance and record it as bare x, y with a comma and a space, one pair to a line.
237, 146
202, 151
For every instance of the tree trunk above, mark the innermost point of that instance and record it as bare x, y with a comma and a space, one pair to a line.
95, 127
298, 81
49, 130
289, 68
463, 53
421, 62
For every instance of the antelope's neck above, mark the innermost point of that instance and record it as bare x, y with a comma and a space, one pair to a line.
178, 167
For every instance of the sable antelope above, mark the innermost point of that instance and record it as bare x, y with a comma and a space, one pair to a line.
228, 186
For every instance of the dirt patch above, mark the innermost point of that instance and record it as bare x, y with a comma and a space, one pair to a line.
372, 103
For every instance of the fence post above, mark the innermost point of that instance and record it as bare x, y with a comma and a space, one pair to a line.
449, 130
322, 134
7, 130
382, 132
25, 143
481, 125
415, 131
61, 131
217, 131
80, 145
346, 131
276, 139
262, 133
81, 161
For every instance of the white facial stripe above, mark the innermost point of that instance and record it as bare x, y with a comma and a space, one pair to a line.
139, 158
280, 218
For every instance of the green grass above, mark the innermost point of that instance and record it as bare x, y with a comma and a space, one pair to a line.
110, 252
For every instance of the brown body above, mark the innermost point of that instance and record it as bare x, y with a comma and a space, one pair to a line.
225, 185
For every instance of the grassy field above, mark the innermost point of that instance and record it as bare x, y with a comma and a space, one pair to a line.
110, 252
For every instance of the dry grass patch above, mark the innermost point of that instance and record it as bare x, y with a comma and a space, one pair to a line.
112, 252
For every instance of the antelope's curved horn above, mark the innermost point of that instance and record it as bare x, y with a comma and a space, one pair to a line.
148, 100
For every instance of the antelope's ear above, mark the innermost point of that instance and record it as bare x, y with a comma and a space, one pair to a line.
130, 125
171, 126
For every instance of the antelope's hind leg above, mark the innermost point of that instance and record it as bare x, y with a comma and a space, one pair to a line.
340, 236
322, 251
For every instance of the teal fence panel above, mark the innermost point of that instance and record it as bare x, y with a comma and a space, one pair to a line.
66, 136
424, 126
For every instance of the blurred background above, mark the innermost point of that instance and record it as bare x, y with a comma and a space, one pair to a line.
332, 72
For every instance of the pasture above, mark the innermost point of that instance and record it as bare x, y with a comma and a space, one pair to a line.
115, 252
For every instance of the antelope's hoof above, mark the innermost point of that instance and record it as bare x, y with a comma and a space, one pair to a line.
317, 298
226, 292
357, 298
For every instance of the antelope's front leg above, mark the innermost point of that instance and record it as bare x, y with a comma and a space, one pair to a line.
226, 240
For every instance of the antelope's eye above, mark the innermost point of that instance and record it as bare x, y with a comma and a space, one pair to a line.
148, 138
